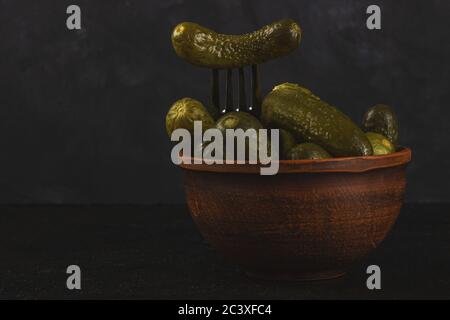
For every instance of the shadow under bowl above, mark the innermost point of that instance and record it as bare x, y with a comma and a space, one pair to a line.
311, 221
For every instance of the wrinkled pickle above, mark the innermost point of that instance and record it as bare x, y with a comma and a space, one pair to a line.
184, 112
296, 109
205, 48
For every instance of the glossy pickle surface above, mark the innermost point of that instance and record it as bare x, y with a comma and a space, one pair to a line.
206, 48
296, 109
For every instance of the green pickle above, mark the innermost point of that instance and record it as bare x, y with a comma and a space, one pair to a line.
380, 144
205, 48
296, 109
308, 151
383, 120
242, 120
238, 120
184, 112
287, 142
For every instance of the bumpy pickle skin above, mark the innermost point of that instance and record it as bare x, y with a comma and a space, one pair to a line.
206, 48
184, 112
291, 107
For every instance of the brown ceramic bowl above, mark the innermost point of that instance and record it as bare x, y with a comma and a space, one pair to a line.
310, 221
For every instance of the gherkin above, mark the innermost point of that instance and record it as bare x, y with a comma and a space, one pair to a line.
308, 151
287, 142
245, 121
184, 112
205, 48
238, 120
380, 144
381, 119
296, 109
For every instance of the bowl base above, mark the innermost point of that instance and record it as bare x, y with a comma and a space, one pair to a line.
316, 276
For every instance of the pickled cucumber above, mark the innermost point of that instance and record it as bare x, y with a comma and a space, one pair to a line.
308, 151
294, 108
184, 112
383, 120
242, 120
380, 144
287, 142
205, 48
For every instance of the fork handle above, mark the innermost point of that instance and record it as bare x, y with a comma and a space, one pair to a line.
229, 92
256, 92
215, 93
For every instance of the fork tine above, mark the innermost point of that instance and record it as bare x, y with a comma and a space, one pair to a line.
215, 91
242, 97
229, 88
256, 91
255, 106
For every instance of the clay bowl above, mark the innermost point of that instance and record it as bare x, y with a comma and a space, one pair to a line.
311, 221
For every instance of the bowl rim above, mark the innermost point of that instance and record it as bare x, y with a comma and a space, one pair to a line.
344, 164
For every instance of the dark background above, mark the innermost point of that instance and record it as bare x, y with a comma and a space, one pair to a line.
82, 112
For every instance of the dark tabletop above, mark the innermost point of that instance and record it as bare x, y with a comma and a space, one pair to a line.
156, 253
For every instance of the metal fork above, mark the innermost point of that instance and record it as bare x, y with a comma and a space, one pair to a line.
254, 107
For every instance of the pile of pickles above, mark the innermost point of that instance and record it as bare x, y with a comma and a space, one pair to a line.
377, 135
309, 128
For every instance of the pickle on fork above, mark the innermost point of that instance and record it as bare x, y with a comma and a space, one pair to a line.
206, 48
